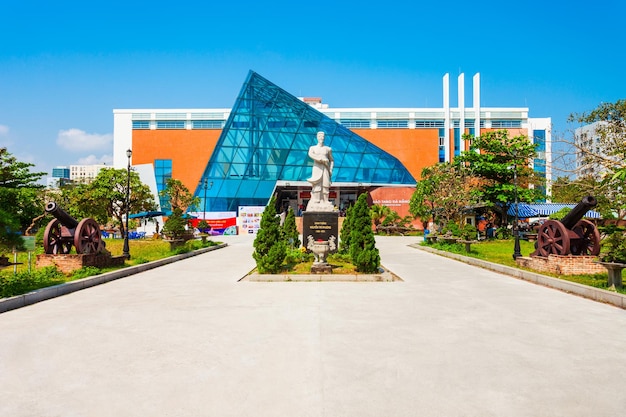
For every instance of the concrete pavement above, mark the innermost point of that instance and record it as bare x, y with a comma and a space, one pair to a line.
189, 339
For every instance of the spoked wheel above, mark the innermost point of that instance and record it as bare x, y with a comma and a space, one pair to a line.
87, 237
589, 242
552, 239
53, 243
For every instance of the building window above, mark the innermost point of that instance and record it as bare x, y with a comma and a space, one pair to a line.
506, 123
429, 123
163, 172
141, 124
393, 124
352, 123
207, 124
170, 124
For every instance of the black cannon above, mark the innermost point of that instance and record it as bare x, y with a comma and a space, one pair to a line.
65, 231
573, 235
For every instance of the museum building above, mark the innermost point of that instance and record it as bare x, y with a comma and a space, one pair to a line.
241, 156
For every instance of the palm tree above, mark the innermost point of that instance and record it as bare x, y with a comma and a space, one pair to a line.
378, 212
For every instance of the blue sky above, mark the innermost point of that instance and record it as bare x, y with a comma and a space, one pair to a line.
64, 66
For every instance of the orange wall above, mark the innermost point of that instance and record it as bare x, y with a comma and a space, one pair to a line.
189, 151
415, 148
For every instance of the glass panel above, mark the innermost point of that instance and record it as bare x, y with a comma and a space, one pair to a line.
267, 138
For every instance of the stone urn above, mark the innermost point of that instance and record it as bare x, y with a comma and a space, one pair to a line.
321, 249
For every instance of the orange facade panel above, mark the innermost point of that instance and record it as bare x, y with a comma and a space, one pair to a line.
414, 148
189, 151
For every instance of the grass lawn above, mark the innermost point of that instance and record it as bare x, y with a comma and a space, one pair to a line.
501, 252
141, 251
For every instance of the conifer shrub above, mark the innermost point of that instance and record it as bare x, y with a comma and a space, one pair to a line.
344, 234
363, 251
290, 231
269, 247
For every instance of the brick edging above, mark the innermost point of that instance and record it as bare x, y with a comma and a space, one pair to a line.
596, 294
47, 293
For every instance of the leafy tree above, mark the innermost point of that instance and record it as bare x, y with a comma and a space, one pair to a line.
20, 199
566, 190
180, 199
603, 150
443, 192
346, 230
104, 199
290, 230
363, 251
421, 203
178, 195
269, 247
495, 159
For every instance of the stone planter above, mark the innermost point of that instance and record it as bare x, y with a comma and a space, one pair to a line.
447, 239
175, 243
468, 244
615, 273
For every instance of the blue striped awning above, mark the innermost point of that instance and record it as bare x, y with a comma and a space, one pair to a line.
545, 209
524, 211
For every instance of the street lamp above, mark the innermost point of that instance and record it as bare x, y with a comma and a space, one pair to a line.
517, 252
126, 250
209, 185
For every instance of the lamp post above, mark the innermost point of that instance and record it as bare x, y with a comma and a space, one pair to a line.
209, 185
126, 250
517, 252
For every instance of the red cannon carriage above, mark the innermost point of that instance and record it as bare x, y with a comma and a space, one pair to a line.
65, 231
573, 235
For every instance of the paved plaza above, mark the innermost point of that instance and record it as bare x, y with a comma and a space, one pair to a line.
189, 339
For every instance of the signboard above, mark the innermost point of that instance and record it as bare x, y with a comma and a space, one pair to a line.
221, 222
320, 226
250, 219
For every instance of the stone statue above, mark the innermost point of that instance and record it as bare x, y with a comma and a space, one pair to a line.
323, 164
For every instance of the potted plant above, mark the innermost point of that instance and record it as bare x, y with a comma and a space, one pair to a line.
174, 228
204, 228
613, 257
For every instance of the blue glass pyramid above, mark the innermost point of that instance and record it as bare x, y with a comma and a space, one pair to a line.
266, 139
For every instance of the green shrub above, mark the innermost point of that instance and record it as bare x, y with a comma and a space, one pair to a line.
502, 233
269, 247
203, 226
469, 232
344, 235
290, 231
614, 248
296, 256
363, 252
452, 228
24, 282
174, 227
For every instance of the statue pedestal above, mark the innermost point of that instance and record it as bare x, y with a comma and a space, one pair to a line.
320, 225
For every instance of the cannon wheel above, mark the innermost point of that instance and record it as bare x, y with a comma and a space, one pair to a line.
590, 237
87, 237
53, 244
552, 239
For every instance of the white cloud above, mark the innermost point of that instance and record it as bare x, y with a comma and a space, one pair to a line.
4, 130
77, 140
95, 160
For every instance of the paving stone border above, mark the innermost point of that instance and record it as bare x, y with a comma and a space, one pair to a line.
384, 276
596, 294
42, 294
